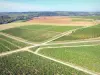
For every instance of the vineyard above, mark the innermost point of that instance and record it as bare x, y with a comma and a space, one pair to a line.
49, 37
85, 33
27, 63
50, 50
38, 33
8, 44
87, 57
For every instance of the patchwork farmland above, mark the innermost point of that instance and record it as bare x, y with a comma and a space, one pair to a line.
63, 20
50, 46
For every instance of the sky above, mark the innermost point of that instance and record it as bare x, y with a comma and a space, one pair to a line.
49, 5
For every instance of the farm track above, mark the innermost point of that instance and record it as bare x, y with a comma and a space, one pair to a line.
45, 43
63, 34
65, 63
49, 58
15, 51
79, 41
10, 52
64, 47
28, 47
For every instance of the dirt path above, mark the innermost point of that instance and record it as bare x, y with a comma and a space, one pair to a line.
49, 58
28, 47
75, 42
62, 34
65, 63
10, 52
15, 51
64, 47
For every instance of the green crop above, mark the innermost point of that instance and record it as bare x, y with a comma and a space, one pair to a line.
29, 64
87, 57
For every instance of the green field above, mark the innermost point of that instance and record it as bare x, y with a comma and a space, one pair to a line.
8, 44
82, 19
87, 57
29, 64
38, 33
25, 63
88, 17
84, 33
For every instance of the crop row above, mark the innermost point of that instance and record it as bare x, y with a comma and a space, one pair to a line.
21, 44
7, 44
85, 33
38, 34
29, 64
87, 57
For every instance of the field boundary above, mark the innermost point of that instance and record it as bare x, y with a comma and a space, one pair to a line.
85, 41
65, 63
65, 47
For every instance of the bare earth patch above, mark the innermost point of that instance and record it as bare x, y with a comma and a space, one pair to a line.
51, 20
62, 20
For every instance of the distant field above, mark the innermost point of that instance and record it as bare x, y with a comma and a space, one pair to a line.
87, 57
55, 21
27, 63
7, 44
88, 17
63, 20
38, 33
85, 33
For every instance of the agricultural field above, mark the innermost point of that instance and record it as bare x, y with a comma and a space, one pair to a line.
57, 21
52, 46
8, 44
26, 63
87, 57
38, 33
87, 17
84, 33
74, 21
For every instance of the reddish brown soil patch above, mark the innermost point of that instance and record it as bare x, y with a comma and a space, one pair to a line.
60, 20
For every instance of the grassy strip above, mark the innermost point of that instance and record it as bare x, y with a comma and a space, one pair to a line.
88, 17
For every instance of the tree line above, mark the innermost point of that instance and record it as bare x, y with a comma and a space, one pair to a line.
8, 17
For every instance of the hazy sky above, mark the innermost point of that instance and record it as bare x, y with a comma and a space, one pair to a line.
49, 5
